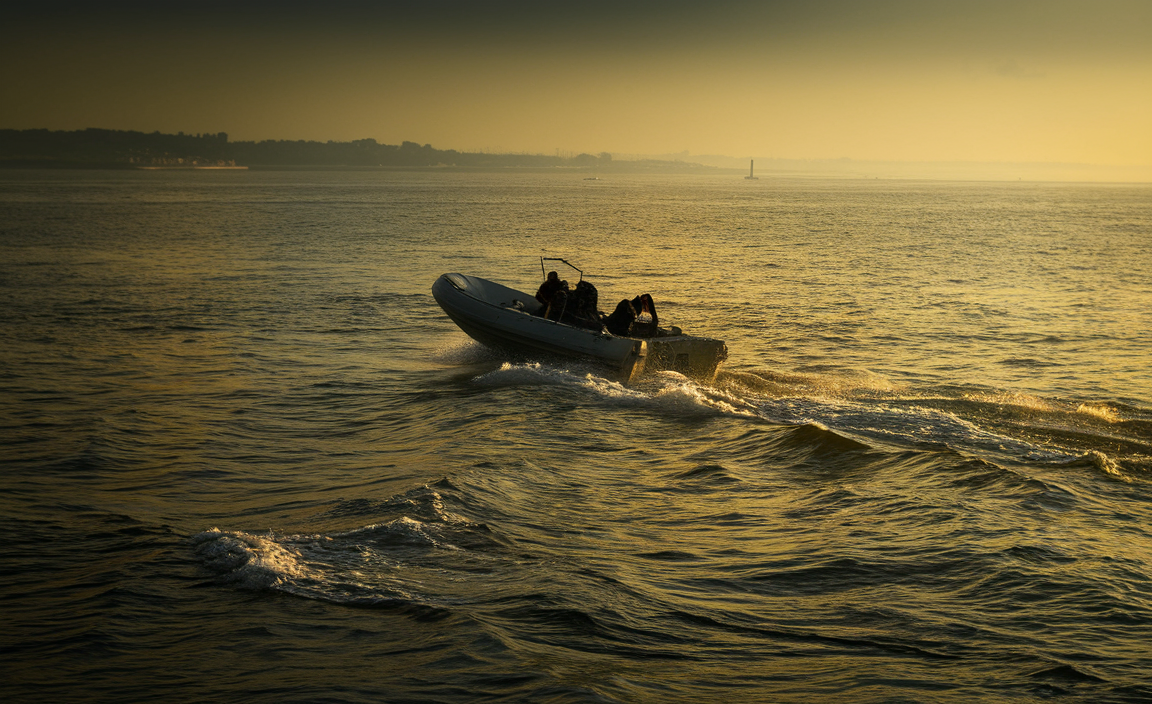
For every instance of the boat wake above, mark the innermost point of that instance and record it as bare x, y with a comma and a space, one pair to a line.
1001, 426
668, 390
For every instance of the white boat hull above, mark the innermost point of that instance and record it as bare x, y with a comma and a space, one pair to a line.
505, 319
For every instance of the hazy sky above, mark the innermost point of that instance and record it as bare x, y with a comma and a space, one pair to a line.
919, 80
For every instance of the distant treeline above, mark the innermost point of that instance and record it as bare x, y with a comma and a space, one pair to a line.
111, 148
97, 148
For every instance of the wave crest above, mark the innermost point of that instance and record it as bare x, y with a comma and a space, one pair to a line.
665, 390
253, 561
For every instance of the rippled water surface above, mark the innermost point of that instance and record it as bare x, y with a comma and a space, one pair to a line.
247, 457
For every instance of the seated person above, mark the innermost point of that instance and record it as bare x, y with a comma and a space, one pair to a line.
644, 305
582, 307
623, 321
557, 306
547, 293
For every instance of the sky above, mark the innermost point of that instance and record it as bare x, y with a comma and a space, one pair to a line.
892, 80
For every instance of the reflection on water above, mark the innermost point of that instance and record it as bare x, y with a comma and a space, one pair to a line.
247, 456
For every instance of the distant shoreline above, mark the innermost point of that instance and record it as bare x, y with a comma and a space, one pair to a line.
122, 149
190, 168
101, 149
621, 167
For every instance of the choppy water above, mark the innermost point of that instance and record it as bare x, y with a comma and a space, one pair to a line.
246, 456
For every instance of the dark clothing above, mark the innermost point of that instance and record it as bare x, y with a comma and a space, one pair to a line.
557, 306
620, 322
583, 303
582, 307
623, 322
644, 304
552, 295
548, 290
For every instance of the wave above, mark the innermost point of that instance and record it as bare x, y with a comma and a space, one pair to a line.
814, 381
1102, 463
994, 423
869, 409
378, 564
707, 474
1027, 363
666, 391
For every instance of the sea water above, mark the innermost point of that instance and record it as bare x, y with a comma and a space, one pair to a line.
247, 457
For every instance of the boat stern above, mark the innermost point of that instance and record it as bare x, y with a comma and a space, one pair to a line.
693, 356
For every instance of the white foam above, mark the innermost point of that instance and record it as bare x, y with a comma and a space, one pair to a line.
1100, 411
527, 374
667, 390
679, 392
1106, 464
411, 530
897, 423
255, 561
1012, 398
612, 390
345, 567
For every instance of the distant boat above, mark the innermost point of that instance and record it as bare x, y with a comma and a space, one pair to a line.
751, 166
